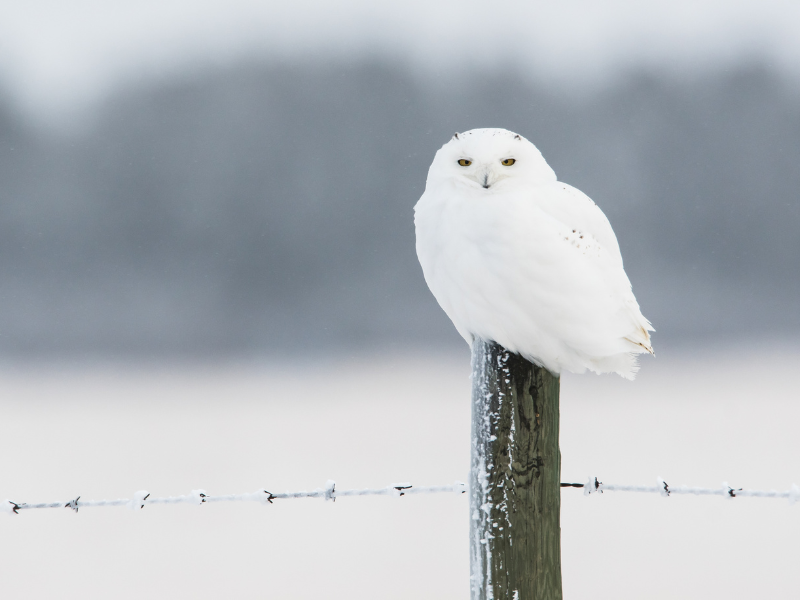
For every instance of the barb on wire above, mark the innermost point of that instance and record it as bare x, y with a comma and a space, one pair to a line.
329, 492
595, 486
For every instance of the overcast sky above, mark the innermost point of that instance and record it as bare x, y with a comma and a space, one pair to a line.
65, 53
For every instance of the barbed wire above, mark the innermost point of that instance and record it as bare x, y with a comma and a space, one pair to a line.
142, 498
595, 486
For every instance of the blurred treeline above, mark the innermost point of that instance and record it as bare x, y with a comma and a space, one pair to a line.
264, 209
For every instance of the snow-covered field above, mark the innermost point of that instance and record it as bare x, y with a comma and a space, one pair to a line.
105, 433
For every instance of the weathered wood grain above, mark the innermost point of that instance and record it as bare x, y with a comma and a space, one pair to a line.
515, 503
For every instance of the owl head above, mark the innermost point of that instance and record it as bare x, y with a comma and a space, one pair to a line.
489, 161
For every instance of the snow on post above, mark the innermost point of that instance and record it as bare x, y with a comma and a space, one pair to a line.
515, 492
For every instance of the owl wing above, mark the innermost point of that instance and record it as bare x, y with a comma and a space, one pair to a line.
584, 220
575, 209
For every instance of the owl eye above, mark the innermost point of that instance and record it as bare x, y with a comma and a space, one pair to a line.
508, 162
464, 162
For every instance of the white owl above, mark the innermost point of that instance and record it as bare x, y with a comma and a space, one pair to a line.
515, 256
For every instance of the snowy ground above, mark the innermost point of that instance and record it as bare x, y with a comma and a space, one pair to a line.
106, 433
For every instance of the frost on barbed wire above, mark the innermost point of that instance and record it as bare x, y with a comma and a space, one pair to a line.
595, 486
395, 490
197, 497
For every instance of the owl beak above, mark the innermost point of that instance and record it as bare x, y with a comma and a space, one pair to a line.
485, 177
488, 177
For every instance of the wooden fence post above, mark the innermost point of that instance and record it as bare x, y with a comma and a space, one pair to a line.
515, 495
